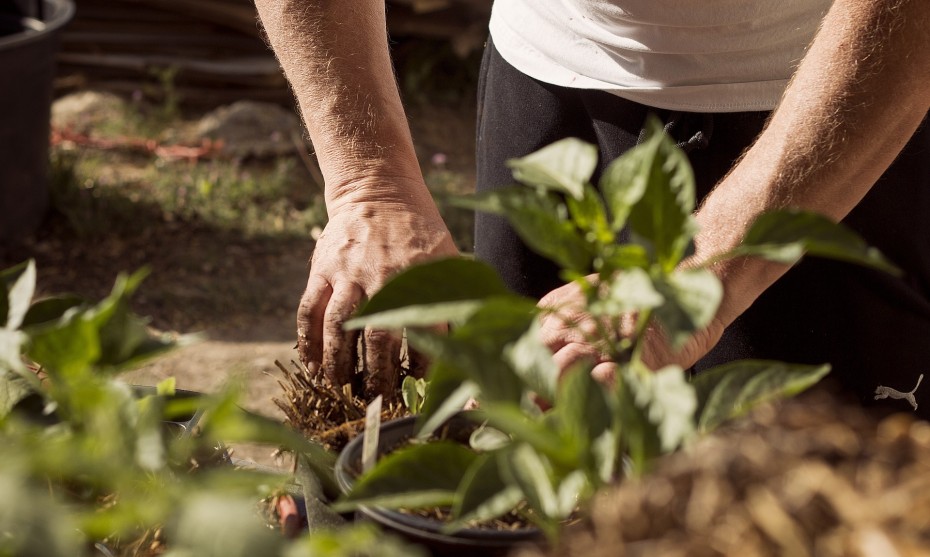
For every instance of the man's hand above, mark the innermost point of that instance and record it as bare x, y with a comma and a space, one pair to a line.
363, 244
382, 218
574, 336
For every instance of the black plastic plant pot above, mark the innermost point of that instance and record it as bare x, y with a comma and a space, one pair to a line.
183, 426
180, 426
28, 47
424, 531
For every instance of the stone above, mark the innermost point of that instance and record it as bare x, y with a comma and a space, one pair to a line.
84, 111
252, 129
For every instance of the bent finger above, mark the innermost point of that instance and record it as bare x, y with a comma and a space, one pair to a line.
605, 373
340, 350
382, 364
310, 317
556, 332
574, 354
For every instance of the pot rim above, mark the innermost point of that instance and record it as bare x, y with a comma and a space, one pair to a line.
417, 525
38, 30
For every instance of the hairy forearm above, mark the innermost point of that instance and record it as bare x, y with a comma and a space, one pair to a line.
855, 100
335, 56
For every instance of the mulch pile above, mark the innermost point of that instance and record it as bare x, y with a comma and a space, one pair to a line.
810, 477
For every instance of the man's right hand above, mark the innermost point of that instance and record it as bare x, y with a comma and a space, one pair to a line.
382, 218
363, 245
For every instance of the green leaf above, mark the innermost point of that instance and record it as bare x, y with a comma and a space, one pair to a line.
449, 406
474, 348
408, 393
50, 309
123, 288
166, 387
495, 380
483, 494
13, 389
508, 417
8, 278
246, 427
486, 439
640, 437
124, 336
216, 525
449, 390
584, 410
152, 347
786, 235
590, 216
19, 294
624, 182
669, 401
415, 476
540, 222
355, 540
443, 290
629, 291
532, 361
66, 347
663, 214
692, 298
227, 422
564, 166
572, 489
499, 322
33, 522
11, 350
604, 451
419, 315
622, 257
530, 472
108, 335
733, 389
319, 515
150, 447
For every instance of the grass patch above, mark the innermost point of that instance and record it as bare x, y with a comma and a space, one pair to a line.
104, 192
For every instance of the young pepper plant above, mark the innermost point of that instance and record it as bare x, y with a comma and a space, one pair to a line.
87, 459
549, 462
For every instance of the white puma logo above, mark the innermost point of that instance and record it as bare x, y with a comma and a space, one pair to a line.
884, 392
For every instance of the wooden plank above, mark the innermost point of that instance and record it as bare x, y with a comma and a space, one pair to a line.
234, 15
231, 45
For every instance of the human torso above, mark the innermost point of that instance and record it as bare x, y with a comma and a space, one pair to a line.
705, 55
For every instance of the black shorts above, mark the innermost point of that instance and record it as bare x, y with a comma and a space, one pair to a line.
873, 328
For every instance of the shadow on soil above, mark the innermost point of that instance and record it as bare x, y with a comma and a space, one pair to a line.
231, 286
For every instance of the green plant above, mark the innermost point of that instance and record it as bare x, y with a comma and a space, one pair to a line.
553, 460
89, 460
413, 393
171, 99
98, 196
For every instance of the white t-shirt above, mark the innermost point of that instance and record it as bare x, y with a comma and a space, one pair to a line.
693, 55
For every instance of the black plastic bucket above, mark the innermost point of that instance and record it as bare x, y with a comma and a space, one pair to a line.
28, 46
